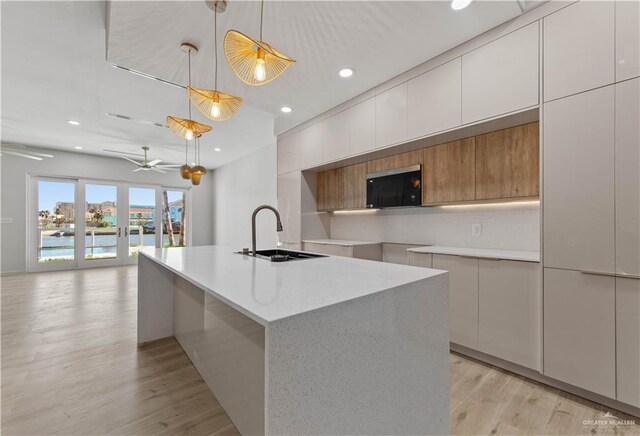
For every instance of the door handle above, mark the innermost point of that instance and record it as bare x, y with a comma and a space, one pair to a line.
119, 229
126, 232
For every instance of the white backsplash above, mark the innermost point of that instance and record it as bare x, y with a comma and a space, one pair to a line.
514, 226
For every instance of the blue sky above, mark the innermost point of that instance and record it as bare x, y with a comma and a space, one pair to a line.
49, 193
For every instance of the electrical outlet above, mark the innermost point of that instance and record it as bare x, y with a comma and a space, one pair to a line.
476, 229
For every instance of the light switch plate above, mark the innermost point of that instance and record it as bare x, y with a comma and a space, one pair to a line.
476, 229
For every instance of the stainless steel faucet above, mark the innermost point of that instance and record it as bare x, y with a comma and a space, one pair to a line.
253, 224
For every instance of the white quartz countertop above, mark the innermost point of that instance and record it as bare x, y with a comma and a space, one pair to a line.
342, 242
525, 256
267, 291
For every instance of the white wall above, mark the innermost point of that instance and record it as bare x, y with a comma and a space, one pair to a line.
506, 226
13, 192
238, 188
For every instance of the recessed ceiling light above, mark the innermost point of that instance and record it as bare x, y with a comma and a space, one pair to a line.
286, 109
77, 147
346, 72
217, 149
73, 123
457, 5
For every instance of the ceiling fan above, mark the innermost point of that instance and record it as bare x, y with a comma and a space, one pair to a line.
22, 151
150, 165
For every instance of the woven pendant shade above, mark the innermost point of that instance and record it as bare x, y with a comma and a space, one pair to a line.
213, 104
186, 129
244, 54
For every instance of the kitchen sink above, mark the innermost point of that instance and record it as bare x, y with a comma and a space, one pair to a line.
277, 255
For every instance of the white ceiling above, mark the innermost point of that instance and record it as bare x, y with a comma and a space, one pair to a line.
54, 67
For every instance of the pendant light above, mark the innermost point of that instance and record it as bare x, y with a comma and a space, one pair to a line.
214, 104
254, 61
185, 170
187, 128
197, 171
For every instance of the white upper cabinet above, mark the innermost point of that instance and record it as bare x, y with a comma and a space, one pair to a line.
502, 76
434, 100
362, 132
311, 146
335, 137
628, 177
627, 39
391, 116
578, 48
579, 182
288, 154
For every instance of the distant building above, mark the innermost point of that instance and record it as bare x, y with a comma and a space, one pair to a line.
66, 210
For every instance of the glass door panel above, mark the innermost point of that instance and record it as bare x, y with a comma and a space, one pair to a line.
142, 225
55, 235
173, 218
101, 222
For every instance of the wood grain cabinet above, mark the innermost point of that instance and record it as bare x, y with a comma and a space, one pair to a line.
627, 39
578, 48
362, 132
335, 137
580, 330
628, 340
627, 185
448, 173
342, 188
397, 161
579, 183
502, 76
509, 311
434, 100
463, 298
507, 163
355, 186
391, 116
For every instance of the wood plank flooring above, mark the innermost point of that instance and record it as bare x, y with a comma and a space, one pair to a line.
70, 365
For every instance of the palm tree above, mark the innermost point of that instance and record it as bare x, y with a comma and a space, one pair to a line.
44, 214
167, 217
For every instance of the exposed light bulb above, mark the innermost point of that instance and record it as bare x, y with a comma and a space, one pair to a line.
189, 135
215, 110
260, 71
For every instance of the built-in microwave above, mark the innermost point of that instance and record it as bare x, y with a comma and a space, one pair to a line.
399, 187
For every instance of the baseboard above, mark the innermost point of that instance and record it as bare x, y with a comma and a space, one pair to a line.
541, 378
12, 273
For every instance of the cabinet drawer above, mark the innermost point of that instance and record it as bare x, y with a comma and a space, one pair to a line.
420, 259
463, 298
579, 330
329, 249
509, 311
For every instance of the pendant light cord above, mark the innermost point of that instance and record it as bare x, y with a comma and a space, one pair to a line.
215, 49
188, 103
261, 19
186, 152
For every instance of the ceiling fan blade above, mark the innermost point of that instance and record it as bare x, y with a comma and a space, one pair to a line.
16, 153
131, 160
158, 170
139, 169
122, 152
168, 166
154, 162
39, 154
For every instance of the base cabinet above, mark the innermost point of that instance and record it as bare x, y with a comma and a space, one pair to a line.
420, 259
509, 311
628, 340
580, 330
367, 252
463, 298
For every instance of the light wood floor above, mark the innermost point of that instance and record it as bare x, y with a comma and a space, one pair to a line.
70, 365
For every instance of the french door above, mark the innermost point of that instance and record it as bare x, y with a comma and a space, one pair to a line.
116, 219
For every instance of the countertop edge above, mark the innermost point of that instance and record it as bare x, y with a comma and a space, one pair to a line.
496, 254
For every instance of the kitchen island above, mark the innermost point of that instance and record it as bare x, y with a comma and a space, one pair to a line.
329, 345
